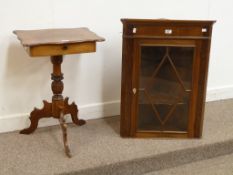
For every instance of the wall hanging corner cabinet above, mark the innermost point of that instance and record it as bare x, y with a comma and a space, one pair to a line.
164, 76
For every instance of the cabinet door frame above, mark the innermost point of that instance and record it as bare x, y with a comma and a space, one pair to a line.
135, 84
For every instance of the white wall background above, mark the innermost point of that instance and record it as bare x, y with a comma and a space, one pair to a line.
93, 80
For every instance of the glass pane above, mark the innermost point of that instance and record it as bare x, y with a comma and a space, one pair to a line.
182, 58
145, 108
165, 86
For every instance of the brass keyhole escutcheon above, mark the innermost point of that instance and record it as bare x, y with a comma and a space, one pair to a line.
134, 90
134, 30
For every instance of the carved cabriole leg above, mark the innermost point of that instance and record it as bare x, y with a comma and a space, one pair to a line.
72, 109
64, 133
36, 115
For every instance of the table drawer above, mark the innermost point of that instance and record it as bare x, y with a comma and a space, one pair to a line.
61, 49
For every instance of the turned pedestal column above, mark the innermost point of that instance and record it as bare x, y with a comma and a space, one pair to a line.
58, 105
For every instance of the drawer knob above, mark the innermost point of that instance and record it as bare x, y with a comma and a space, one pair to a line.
65, 47
168, 31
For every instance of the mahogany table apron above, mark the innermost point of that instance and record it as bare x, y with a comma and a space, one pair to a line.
56, 43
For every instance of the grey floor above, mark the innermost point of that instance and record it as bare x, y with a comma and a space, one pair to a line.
97, 148
222, 165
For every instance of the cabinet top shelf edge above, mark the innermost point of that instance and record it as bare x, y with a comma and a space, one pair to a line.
167, 21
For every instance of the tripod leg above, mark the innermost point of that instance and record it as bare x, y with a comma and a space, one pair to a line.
64, 132
36, 115
73, 110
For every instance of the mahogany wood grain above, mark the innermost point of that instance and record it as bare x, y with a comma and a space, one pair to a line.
139, 33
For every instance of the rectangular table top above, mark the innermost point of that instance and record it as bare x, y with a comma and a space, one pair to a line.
56, 36
49, 42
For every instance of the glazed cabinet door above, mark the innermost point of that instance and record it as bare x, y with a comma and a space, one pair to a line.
163, 79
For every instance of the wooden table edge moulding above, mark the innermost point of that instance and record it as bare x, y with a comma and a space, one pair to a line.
55, 43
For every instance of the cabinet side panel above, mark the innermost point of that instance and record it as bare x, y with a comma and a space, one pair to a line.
126, 88
202, 85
